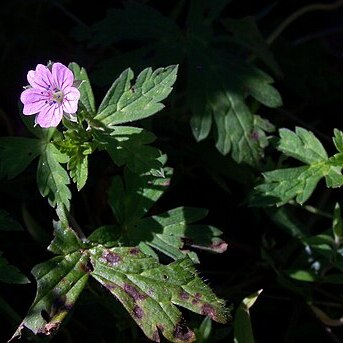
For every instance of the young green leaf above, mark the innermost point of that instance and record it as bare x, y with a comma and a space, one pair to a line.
302, 275
77, 145
86, 93
16, 154
10, 273
52, 178
125, 102
243, 332
204, 331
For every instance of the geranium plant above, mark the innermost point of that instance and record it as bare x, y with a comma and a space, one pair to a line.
123, 255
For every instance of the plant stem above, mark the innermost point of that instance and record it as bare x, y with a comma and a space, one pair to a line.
298, 13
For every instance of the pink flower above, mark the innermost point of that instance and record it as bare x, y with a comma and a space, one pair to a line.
51, 94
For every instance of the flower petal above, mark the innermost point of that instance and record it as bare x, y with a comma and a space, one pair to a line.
33, 101
50, 116
71, 100
63, 77
40, 78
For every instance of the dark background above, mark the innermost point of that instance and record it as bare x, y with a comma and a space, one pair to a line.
310, 56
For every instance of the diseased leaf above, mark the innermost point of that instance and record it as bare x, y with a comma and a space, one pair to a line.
52, 178
10, 273
60, 281
128, 146
149, 291
125, 102
86, 93
173, 231
7, 223
13, 147
65, 240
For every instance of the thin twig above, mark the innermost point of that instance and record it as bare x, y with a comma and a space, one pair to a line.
298, 13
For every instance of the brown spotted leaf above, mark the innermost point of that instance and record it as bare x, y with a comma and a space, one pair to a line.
148, 290
151, 292
59, 283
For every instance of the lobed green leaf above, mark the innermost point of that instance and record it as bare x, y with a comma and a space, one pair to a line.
127, 146
302, 145
52, 178
124, 102
219, 93
131, 198
282, 185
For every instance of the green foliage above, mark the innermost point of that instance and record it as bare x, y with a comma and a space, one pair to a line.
282, 185
218, 81
171, 232
119, 256
129, 228
77, 145
146, 288
128, 146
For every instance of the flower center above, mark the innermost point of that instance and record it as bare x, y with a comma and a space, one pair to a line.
57, 96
